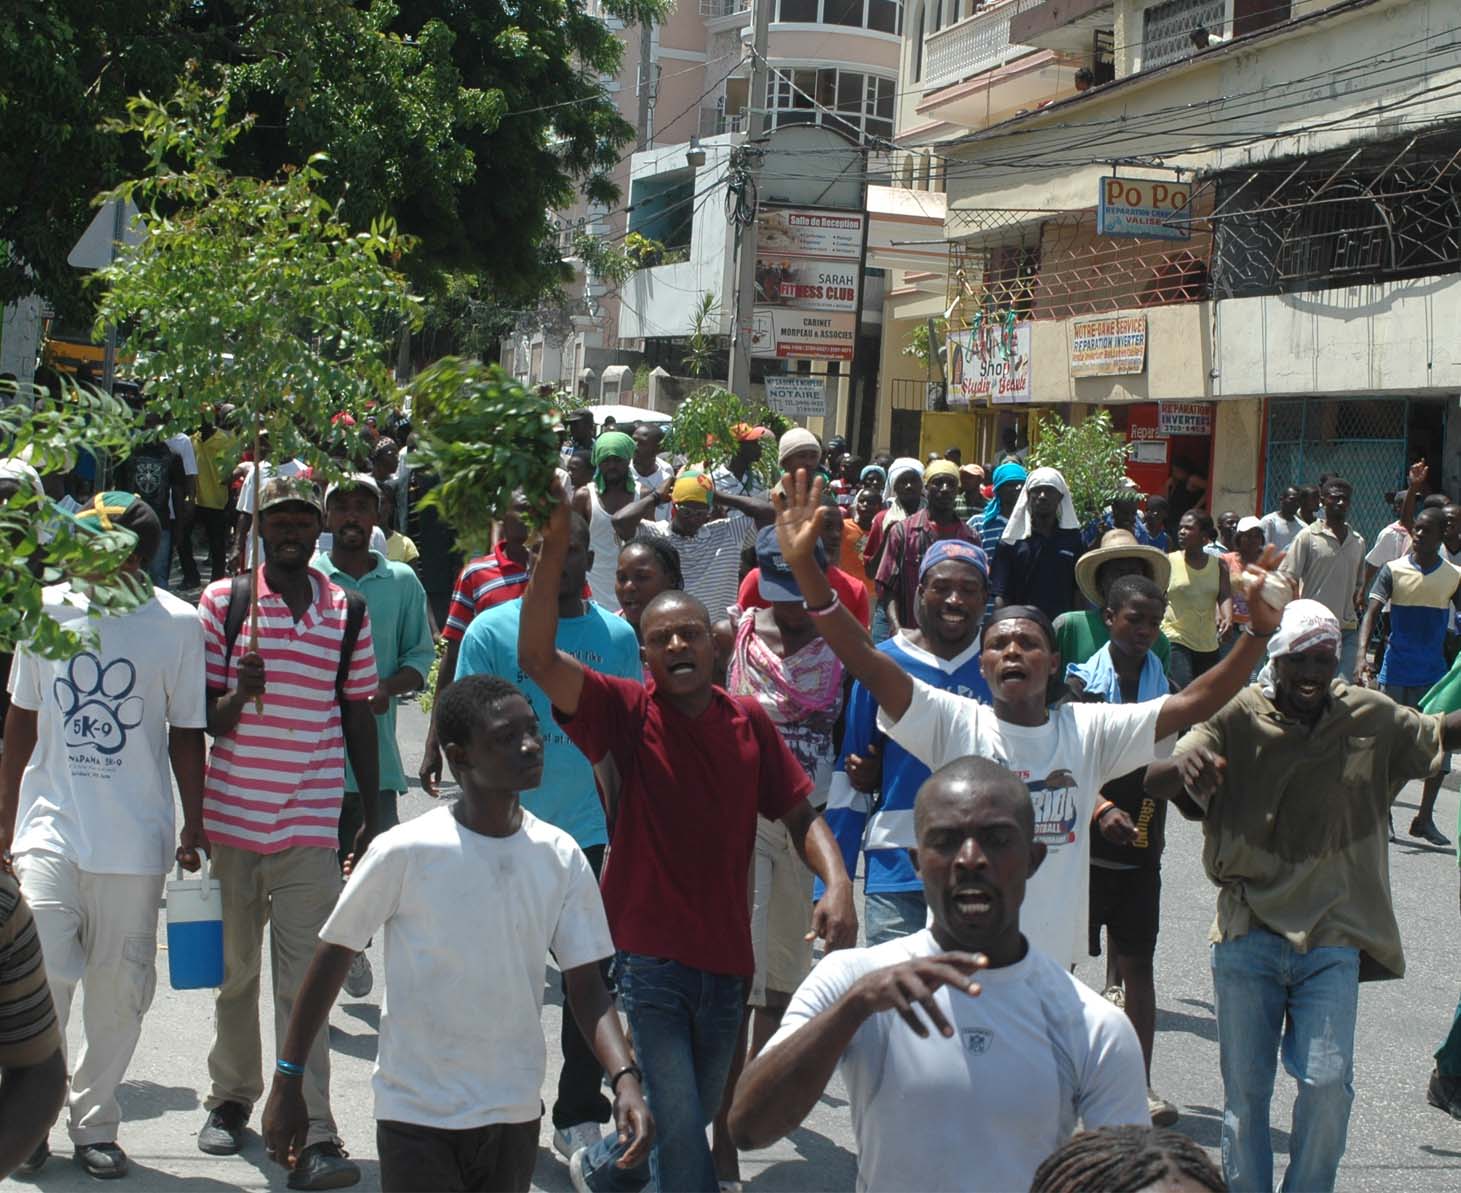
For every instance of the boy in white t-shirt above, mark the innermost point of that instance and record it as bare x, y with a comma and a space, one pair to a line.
471, 897
1019, 1050
86, 806
1065, 755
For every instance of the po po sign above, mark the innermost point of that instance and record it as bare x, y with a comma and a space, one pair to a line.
1148, 208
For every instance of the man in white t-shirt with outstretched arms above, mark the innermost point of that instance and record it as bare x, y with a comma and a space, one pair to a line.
1019, 1052
1064, 755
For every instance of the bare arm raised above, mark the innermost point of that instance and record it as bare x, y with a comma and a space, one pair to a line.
798, 528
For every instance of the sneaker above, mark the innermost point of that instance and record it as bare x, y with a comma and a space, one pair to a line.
1444, 1093
1163, 1113
569, 1140
360, 979
34, 1162
576, 1174
104, 1161
222, 1133
323, 1166
1115, 995
1426, 830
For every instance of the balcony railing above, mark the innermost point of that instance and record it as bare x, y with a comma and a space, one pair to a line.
714, 122
723, 8
976, 44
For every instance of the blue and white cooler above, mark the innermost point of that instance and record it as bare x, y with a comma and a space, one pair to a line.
194, 929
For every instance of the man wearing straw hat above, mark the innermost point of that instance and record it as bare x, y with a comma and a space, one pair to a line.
1082, 632
87, 809
290, 672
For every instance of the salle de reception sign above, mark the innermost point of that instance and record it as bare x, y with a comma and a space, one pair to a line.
1107, 345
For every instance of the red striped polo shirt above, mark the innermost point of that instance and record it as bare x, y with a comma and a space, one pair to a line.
278, 779
491, 579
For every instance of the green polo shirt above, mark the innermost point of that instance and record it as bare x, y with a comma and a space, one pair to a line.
1296, 835
401, 633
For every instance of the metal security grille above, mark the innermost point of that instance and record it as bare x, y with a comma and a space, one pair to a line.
1361, 439
1384, 211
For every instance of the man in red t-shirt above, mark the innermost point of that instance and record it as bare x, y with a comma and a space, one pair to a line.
696, 766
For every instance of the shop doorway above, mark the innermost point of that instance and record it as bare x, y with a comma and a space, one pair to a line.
1171, 450
1369, 441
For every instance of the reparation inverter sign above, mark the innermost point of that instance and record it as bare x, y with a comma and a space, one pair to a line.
1107, 345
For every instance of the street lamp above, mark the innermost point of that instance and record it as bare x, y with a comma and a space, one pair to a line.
695, 155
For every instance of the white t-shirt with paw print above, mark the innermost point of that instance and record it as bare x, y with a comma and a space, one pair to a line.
98, 787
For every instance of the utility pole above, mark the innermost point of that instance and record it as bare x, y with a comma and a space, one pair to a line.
646, 53
740, 354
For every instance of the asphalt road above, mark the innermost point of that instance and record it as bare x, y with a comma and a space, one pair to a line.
1397, 1143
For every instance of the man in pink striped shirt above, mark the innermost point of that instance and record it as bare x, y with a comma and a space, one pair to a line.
282, 716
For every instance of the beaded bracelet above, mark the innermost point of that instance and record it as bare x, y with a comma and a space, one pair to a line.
829, 608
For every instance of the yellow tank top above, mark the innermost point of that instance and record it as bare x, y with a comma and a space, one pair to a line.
1192, 598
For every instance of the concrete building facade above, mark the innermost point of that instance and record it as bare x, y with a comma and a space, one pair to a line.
1287, 318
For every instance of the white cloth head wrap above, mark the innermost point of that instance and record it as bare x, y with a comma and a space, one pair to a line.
1305, 624
1019, 523
894, 511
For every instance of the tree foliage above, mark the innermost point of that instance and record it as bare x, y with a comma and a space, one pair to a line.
485, 437
1089, 454
702, 429
466, 123
38, 547
249, 291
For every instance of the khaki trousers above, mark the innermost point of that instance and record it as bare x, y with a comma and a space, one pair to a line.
99, 930
293, 892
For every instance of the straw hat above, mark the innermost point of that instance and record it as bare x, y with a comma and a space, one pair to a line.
1119, 544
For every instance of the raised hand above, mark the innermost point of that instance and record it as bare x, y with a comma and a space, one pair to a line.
1266, 590
798, 517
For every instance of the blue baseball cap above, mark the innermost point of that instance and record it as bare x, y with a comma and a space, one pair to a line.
777, 583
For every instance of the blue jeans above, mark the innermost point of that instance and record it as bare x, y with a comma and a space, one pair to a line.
1349, 649
160, 569
891, 914
1268, 993
882, 628
684, 1024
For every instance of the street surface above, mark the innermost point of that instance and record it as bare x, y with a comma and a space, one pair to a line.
1397, 1143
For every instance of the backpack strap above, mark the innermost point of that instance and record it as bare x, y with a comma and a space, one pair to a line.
354, 619
239, 592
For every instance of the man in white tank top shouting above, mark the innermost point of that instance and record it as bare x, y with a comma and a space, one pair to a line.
596, 503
